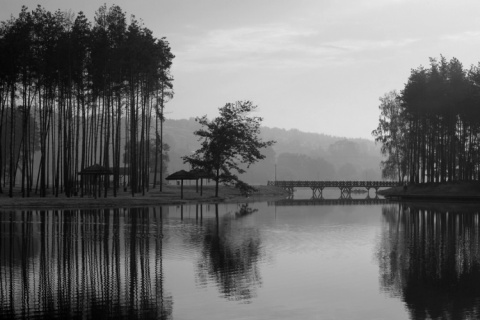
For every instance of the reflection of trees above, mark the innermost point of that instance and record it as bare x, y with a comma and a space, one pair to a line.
229, 256
83, 263
244, 210
431, 259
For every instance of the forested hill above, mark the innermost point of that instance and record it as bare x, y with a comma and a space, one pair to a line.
298, 155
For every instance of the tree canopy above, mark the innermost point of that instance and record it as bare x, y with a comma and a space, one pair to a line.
430, 131
227, 141
391, 134
80, 91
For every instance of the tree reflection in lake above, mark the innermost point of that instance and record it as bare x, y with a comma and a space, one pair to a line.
82, 264
245, 210
230, 256
430, 258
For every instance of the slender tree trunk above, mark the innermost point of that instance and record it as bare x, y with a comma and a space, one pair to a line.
161, 139
12, 137
2, 144
217, 182
156, 149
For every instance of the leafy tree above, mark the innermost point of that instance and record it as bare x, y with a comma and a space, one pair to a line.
80, 88
391, 134
227, 142
430, 131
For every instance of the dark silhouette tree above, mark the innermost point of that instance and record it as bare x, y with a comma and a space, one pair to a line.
227, 141
391, 133
430, 131
78, 89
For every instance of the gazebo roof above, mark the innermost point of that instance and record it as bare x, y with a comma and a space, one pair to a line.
181, 175
96, 169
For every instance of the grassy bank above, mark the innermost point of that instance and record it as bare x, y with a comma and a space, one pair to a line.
455, 190
169, 195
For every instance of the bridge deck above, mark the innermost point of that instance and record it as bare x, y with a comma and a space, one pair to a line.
333, 184
319, 202
344, 186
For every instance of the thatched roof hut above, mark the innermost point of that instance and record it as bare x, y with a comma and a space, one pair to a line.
191, 175
92, 178
181, 175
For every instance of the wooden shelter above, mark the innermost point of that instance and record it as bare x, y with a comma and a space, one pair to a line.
92, 179
201, 174
181, 175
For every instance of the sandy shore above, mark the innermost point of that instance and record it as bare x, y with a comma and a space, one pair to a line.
170, 195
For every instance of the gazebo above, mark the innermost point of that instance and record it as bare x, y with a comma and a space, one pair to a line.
181, 175
92, 178
201, 174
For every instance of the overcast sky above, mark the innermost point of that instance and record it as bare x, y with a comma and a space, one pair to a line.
316, 65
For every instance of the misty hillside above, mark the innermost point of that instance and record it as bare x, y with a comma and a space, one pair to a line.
297, 155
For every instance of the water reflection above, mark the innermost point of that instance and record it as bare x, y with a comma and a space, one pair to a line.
230, 256
430, 258
328, 202
83, 264
109, 263
245, 210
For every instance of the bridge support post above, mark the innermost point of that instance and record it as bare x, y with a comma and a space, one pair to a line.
344, 186
376, 190
317, 192
346, 192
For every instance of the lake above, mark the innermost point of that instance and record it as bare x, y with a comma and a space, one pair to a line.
285, 260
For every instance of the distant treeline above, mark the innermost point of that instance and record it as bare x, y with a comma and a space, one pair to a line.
430, 130
80, 93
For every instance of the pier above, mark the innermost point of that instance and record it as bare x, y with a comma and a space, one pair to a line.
345, 187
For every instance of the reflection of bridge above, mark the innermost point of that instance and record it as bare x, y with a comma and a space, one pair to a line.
320, 202
344, 186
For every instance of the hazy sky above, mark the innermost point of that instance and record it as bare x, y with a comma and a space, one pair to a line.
316, 65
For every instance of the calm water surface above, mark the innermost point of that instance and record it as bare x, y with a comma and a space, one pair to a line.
292, 260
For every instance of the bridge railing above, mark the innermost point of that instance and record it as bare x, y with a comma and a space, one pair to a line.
315, 202
326, 184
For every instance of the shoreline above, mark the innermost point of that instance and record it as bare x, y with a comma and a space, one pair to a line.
455, 191
169, 196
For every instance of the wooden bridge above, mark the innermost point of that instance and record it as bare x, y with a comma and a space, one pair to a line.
344, 186
328, 202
